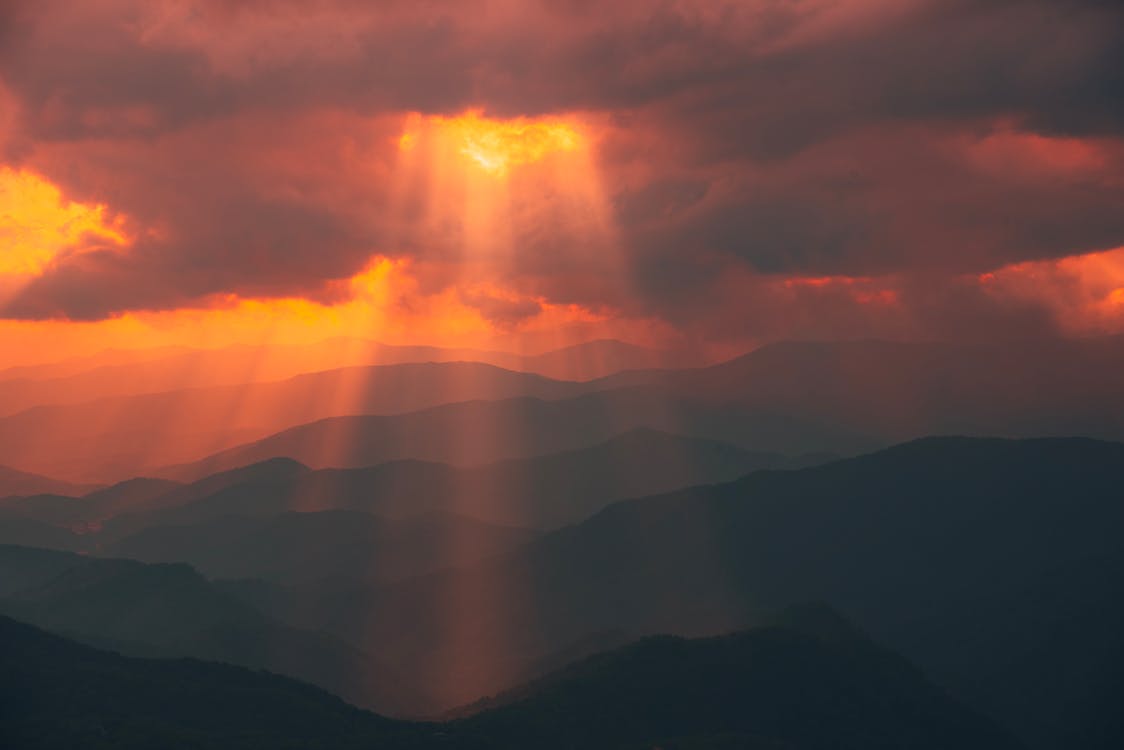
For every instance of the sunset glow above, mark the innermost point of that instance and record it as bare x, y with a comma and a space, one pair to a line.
37, 223
492, 374
495, 145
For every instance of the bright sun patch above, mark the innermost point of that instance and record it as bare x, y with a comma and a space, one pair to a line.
36, 223
496, 145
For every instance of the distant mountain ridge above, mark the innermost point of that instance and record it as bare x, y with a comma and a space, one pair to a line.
792, 397
179, 368
540, 492
898, 391
14, 482
330, 544
123, 435
480, 432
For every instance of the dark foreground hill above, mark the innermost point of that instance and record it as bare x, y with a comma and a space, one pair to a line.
781, 687
806, 680
170, 610
57, 694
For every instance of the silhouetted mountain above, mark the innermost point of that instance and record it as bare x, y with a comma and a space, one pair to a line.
543, 491
766, 689
922, 545
295, 547
234, 492
30, 567
479, 432
15, 529
84, 514
753, 689
59, 694
898, 391
169, 610
111, 436
14, 482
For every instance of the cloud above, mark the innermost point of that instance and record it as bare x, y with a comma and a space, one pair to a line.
251, 149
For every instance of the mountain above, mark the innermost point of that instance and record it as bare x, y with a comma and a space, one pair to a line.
771, 688
595, 359
841, 397
896, 391
929, 546
29, 567
57, 693
127, 374
172, 369
539, 492
73, 365
115, 437
751, 689
170, 610
28, 531
479, 432
86, 513
14, 482
304, 547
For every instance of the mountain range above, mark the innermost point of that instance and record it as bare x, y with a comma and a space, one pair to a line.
786, 686
918, 544
791, 398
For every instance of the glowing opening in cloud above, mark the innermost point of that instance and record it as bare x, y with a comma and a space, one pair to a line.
496, 145
36, 223
1085, 293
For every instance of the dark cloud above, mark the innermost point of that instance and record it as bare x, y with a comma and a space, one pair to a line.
251, 145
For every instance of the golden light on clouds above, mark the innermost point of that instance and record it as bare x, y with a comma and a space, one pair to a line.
496, 145
1085, 293
37, 223
477, 188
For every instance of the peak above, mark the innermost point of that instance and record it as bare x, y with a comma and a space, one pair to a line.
278, 466
816, 619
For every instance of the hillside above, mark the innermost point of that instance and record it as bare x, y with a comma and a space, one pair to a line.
308, 547
14, 482
751, 689
929, 546
171, 611
541, 491
896, 391
782, 687
118, 437
479, 432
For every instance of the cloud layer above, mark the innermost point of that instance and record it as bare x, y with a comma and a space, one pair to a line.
749, 170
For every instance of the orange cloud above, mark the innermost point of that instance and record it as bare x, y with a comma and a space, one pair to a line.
495, 145
37, 224
384, 302
1084, 293
864, 290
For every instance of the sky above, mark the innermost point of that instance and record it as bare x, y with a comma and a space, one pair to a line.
706, 175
